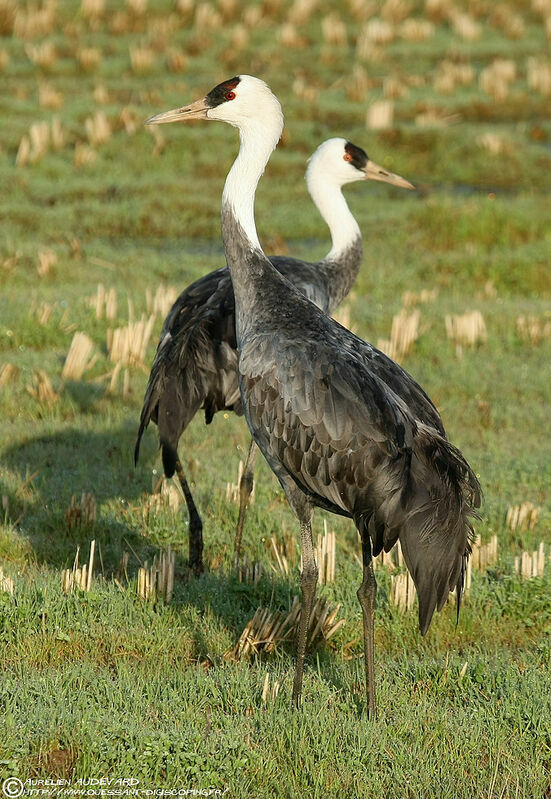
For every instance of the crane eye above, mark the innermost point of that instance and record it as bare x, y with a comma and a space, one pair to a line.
229, 95
347, 157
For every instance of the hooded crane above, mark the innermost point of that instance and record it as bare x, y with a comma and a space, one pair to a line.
196, 361
342, 426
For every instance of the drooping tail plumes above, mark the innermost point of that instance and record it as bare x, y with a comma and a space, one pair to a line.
428, 502
437, 534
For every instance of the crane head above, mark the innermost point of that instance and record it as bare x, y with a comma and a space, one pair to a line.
238, 101
344, 162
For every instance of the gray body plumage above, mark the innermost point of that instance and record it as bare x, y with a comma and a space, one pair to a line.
348, 427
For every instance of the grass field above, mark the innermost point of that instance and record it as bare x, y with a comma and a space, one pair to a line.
104, 684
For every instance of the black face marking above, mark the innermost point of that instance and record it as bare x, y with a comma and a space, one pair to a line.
217, 96
356, 155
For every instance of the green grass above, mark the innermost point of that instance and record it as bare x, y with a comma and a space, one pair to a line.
103, 684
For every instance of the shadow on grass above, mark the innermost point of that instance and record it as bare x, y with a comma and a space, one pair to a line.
51, 469
84, 395
220, 597
74, 461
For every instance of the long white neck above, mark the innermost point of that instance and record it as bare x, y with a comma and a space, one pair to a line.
249, 268
257, 144
334, 209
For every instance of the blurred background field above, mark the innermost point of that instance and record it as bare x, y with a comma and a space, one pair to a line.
103, 223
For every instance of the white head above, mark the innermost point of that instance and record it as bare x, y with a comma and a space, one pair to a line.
242, 101
249, 105
338, 161
335, 163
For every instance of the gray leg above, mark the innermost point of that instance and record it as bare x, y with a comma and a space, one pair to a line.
309, 581
195, 525
245, 490
366, 596
309, 577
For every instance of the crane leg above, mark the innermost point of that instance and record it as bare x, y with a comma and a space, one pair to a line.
195, 525
366, 596
245, 490
309, 581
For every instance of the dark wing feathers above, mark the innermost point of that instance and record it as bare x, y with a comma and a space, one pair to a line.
354, 446
308, 278
398, 380
332, 429
195, 365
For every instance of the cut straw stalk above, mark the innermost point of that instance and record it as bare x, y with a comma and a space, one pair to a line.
531, 564
84, 155
34, 145
42, 55
449, 75
8, 374
402, 590
92, 9
342, 316
523, 517
79, 577
533, 329
81, 512
281, 560
162, 301
484, 555
301, 11
49, 97
325, 556
269, 692
104, 302
7, 584
33, 21
403, 335
380, 115
98, 129
89, 58
467, 329
392, 559
416, 30
268, 629
334, 30
42, 313
41, 388
127, 345
248, 571
539, 71
47, 259
233, 489
79, 358
464, 25
496, 78
412, 298
157, 582
166, 495
142, 59
284, 553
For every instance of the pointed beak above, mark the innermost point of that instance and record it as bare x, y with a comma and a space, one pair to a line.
197, 110
375, 172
